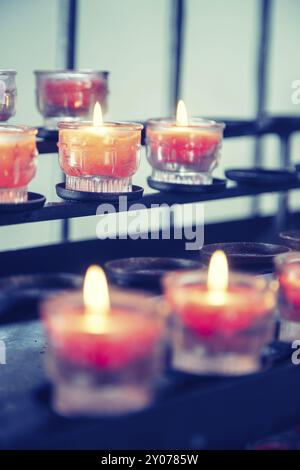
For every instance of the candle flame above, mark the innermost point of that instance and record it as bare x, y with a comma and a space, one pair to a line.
95, 298
217, 278
181, 114
97, 115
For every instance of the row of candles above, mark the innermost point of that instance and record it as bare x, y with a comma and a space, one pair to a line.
102, 157
107, 348
60, 94
98, 156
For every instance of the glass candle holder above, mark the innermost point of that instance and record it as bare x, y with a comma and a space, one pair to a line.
213, 335
18, 154
183, 154
288, 271
99, 159
109, 368
8, 93
70, 95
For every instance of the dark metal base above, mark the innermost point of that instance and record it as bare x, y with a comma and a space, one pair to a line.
218, 184
82, 196
261, 176
245, 254
35, 201
146, 271
291, 238
48, 134
26, 291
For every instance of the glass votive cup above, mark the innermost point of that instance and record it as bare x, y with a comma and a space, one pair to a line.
8, 94
288, 271
70, 95
213, 335
183, 154
99, 159
113, 369
18, 154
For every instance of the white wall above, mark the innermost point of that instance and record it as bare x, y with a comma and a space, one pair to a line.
28, 41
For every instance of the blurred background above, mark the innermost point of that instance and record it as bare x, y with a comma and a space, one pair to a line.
217, 76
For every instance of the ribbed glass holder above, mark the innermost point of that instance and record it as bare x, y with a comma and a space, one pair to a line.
178, 177
193, 356
99, 184
85, 391
13, 195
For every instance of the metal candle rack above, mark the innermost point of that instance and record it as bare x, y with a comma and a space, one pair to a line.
283, 127
192, 412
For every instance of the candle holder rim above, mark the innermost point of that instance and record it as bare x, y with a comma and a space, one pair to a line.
290, 235
8, 71
72, 71
17, 130
176, 278
242, 249
287, 258
118, 125
54, 313
117, 295
193, 122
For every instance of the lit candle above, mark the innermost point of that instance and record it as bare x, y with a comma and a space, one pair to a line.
116, 340
18, 154
98, 156
183, 150
220, 316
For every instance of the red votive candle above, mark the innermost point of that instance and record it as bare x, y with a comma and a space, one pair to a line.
18, 154
105, 352
183, 150
97, 156
221, 321
70, 95
288, 271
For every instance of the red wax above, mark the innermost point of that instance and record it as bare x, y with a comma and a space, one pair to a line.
244, 306
290, 287
185, 145
111, 152
17, 160
125, 338
74, 94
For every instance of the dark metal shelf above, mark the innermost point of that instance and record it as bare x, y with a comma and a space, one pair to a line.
69, 210
283, 126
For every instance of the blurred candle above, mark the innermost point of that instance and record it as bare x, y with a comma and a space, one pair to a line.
115, 346
222, 319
